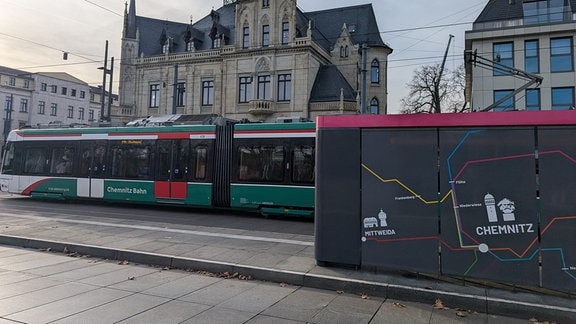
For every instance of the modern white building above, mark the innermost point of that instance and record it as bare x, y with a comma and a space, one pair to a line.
254, 59
48, 99
532, 36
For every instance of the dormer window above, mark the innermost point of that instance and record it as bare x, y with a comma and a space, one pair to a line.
344, 51
190, 46
166, 47
217, 42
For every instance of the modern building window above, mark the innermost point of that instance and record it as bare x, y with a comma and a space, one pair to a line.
41, 107
24, 105
264, 91
64, 91
374, 106
207, 93
285, 33
562, 98
265, 35
507, 105
53, 109
544, 11
70, 112
90, 114
246, 37
53, 88
181, 94
561, 57
375, 71
80, 113
533, 99
43, 86
245, 89
154, 97
531, 56
284, 87
504, 55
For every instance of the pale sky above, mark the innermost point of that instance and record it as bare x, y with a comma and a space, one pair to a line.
35, 33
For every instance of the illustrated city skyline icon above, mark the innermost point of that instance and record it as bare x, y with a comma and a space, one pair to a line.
506, 206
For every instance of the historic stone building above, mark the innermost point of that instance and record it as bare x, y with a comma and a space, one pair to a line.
254, 59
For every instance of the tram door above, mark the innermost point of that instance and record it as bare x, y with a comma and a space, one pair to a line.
92, 167
172, 168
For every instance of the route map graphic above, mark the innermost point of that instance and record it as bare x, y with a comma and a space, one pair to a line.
489, 203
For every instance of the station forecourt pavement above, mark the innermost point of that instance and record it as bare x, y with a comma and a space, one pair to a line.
188, 273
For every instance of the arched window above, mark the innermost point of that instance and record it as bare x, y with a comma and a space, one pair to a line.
374, 106
341, 51
346, 51
375, 74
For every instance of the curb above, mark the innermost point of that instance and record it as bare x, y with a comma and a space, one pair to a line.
562, 310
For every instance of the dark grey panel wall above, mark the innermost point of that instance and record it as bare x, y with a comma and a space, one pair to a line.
337, 213
489, 219
557, 175
498, 203
399, 194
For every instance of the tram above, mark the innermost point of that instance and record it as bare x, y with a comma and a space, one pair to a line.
268, 168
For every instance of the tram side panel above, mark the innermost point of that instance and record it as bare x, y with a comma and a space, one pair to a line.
274, 175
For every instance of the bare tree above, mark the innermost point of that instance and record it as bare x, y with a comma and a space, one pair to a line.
427, 95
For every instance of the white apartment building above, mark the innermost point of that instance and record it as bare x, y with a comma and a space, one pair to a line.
254, 59
48, 99
533, 36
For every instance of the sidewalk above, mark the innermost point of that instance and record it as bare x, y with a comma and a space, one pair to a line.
253, 251
46, 287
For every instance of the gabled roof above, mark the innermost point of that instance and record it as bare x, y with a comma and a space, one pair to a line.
14, 72
326, 28
151, 31
361, 21
62, 76
507, 10
328, 85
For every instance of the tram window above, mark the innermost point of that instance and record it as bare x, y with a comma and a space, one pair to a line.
8, 163
200, 163
36, 159
61, 160
303, 165
131, 162
92, 160
261, 163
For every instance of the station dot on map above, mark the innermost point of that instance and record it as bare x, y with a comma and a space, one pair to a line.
483, 247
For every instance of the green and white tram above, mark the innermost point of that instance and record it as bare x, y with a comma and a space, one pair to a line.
247, 166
